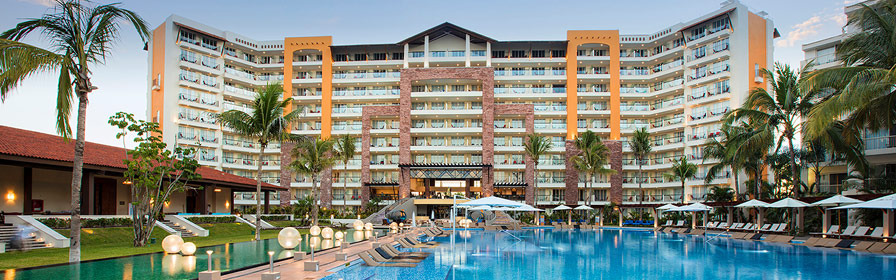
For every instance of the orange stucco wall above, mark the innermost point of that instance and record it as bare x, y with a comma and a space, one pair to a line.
158, 69
758, 51
577, 38
321, 44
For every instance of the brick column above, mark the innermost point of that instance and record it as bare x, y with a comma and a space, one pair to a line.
367, 113
487, 76
528, 112
571, 193
285, 171
404, 184
404, 131
615, 164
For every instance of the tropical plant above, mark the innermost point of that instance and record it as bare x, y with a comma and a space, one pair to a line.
535, 146
345, 151
753, 148
682, 170
723, 148
862, 92
155, 172
266, 123
80, 37
592, 159
720, 194
780, 111
311, 157
640, 145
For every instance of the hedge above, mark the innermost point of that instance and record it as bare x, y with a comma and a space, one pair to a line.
275, 218
57, 223
212, 220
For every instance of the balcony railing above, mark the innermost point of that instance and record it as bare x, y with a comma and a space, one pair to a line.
881, 142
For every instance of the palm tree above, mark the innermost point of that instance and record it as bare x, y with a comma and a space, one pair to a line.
863, 93
535, 146
640, 145
311, 157
724, 149
781, 110
754, 144
593, 157
682, 170
720, 194
345, 151
80, 37
266, 123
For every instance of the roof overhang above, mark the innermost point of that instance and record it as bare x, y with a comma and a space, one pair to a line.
443, 29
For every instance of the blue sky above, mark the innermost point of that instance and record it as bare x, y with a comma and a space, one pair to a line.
122, 80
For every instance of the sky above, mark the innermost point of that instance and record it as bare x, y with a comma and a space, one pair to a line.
122, 79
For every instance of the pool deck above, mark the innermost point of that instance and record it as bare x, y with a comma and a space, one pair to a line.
290, 269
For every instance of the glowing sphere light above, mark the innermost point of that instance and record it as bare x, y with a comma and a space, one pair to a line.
368, 226
188, 249
315, 231
326, 233
288, 237
358, 225
172, 243
339, 235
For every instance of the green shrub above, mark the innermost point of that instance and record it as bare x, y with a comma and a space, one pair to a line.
274, 218
58, 223
212, 220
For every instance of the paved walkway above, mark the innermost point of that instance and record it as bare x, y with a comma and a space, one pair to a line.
291, 269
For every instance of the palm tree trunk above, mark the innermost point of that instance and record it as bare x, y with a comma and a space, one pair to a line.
74, 250
794, 172
344, 185
736, 180
258, 192
640, 191
682, 190
314, 210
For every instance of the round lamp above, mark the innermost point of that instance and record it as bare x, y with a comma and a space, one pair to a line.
172, 243
288, 237
368, 226
315, 231
400, 224
188, 249
358, 225
326, 233
339, 235
393, 225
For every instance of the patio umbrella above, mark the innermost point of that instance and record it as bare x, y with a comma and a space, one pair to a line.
666, 207
696, 207
792, 203
583, 207
837, 200
886, 202
752, 203
564, 207
492, 201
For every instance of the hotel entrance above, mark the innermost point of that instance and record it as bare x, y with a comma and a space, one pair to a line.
444, 188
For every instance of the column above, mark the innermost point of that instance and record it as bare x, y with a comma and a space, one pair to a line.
488, 55
705, 218
800, 218
202, 200
467, 52
620, 217
426, 52
693, 220
656, 219
730, 218
889, 222
826, 221
406, 53
760, 219
26, 190
267, 202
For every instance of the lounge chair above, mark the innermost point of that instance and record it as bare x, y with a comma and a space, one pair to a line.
809, 242
697, 232
848, 231
782, 239
404, 243
831, 231
679, 223
383, 256
890, 249
388, 254
747, 226
396, 252
861, 231
844, 243
371, 262
878, 233
772, 229
862, 245
722, 225
765, 227
828, 242
668, 223
782, 228
878, 247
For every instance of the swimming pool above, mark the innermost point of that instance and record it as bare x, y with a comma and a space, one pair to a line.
626, 254
227, 257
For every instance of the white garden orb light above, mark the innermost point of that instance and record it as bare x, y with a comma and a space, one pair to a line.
172, 243
326, 233
368, 226
288, 237
315, 230
339, 235
358, 225
393, 225
188, 249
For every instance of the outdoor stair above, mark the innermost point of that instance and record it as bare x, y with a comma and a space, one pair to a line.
377, 218
180, 229
7, 232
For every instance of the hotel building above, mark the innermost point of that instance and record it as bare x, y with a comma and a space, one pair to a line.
448, 109
880, 146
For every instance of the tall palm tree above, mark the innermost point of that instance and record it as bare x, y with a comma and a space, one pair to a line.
80, 36
640, 145
682, 170
724, 149
345, 151
755, 142
266, 123
781, 110
863, 93
593, 158
311, 157
536, 146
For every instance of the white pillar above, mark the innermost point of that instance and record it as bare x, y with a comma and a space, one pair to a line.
656, 219
889, 222
705, 218
760, 219
467, 52
730, 219
426, 51
826, 221
488, 58
407, 49
693, 217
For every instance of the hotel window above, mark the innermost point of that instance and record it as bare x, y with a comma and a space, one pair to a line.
457, 88
477, 158
538, 71
417, 54
418, 123
437, 53
437, 88
518, 71
419, 141
500, 141
499, 54
340, 57
458, 53
458, 106
582, 123
558, 71
379, 56
418, 106
476, 105
477, 53
419, 158
458, 159
360, 56
458, 123
437, 106
437, 123
538, 53
516, 124
458, 141
518, 54
437, 159
437, 141
210, 43
476, 141
500, 123
397, 56
539, 89
516, 141
558, 53
476, 123
418, 88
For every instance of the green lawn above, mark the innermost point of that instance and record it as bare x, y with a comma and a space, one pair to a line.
116, 242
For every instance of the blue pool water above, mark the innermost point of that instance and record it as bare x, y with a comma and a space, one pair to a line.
626, 254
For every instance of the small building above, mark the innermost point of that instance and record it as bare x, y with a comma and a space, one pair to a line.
36, 172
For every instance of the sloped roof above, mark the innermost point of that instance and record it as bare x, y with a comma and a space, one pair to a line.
31, 144
447, 28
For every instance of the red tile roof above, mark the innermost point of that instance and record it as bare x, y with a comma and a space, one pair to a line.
26, 143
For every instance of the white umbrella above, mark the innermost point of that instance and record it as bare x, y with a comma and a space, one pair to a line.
524, 208
886, 202
492, 201
696, 207
669, 206
482, 207
562, 207
836, 200
752, 203
583, 207
788, 203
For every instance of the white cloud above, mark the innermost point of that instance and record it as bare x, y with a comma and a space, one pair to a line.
801, 31
45, 3
840, 19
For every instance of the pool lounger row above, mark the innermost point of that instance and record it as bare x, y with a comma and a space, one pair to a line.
855, 232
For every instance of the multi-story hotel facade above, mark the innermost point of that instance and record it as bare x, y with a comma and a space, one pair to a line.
448, 109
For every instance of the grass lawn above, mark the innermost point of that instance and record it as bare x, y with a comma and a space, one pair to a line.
102, 243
